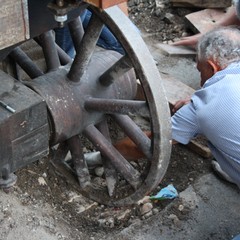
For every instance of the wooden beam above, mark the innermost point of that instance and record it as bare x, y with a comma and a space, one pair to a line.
176, 51
202, 3
199, 148
176, 90
204, 20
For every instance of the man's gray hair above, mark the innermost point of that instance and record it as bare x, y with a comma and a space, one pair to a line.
221, 45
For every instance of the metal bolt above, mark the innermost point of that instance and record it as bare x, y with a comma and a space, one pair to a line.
60, 19
60, 3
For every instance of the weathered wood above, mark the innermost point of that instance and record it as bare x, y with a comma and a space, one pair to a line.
175, 51
202, 3
13, 22
205, 20
176, 90
199, 148
24, 134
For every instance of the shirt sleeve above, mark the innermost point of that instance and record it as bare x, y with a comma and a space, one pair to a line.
184, 124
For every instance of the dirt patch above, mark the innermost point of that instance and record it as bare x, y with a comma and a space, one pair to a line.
38, 185
159, 19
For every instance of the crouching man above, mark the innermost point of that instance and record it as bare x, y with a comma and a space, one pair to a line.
214, 110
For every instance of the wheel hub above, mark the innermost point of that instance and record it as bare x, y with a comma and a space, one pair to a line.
66, 99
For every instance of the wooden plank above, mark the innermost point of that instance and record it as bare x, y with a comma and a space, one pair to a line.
176, 90
175, 51
14, 23
205, 20
202, 3
199, 148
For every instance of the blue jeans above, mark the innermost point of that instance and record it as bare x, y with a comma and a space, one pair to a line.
106, 40
236, 237
64, 40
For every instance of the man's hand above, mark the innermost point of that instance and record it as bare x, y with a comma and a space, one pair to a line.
180, 103
190, 41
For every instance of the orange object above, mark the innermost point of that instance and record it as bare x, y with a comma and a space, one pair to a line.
124, 7
104, 3
129, 149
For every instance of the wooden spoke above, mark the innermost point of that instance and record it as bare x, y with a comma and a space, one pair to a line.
85, 49
108, 151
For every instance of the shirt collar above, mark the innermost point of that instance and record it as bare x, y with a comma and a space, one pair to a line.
220, 74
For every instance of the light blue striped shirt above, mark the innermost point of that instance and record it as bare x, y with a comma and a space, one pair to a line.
214, 111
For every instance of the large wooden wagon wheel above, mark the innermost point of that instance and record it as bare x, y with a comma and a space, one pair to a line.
83, 94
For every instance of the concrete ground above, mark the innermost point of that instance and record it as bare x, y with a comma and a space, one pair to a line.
213, 213
207, 210
181, 67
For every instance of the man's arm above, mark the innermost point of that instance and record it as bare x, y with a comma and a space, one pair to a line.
185, 124
230, 18
180, 104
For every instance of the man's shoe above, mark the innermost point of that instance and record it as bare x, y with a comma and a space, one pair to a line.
216, 167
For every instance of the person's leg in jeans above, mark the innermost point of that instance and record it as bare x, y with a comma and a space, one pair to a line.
106, 40
64, 40
236, 237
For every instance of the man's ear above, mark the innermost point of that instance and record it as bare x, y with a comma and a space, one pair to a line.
215, 67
